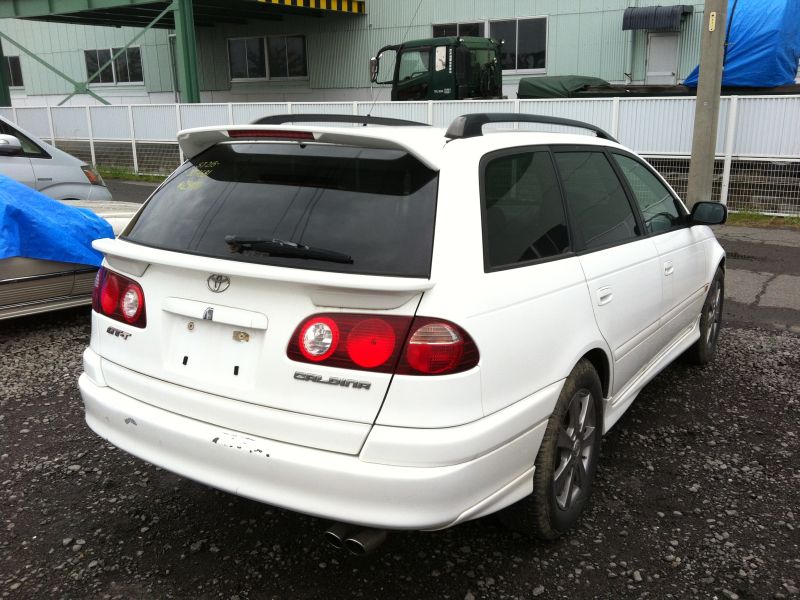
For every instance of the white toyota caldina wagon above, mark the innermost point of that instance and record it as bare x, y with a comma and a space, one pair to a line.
396, 327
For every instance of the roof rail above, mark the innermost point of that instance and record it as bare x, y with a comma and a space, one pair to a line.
467, 126
322, 118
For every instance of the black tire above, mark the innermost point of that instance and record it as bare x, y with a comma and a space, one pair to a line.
704, 349
570, 449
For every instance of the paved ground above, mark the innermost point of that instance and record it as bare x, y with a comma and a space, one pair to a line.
130, 191
763, 276
696, 496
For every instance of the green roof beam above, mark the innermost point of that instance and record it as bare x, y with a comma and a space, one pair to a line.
16, 9
186, 51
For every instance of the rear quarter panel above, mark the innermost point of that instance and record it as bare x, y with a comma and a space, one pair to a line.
531, 324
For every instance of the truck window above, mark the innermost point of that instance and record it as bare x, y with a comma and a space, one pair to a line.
414, 63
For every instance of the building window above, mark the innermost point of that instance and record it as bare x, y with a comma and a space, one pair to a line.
287, 56
246, 58
525, 47
459, 29
126, 68
13, 71
277, 57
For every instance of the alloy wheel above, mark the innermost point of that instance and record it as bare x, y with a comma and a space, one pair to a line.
575, 449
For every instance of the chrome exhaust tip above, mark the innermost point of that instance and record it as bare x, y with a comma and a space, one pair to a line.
364, 541
337, 533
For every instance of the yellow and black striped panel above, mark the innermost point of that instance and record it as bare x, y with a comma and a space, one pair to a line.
348, 6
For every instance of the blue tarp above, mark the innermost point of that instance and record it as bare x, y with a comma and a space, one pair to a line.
763, 44
35, 226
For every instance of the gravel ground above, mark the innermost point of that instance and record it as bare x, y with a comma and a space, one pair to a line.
697, 495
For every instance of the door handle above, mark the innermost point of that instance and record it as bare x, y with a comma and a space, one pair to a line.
44, 179
669, 269
604, 296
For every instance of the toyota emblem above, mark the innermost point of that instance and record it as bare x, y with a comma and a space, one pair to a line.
218, 283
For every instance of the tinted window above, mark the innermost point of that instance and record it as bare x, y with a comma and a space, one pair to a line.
13, 71
506, 31
655, 201
532, 44
523, 214
377, 206
597, 202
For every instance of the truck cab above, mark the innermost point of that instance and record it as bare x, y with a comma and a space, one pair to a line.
445, 68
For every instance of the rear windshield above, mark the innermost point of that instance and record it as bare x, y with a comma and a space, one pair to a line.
374, 207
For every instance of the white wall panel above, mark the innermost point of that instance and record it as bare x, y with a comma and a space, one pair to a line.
409, 111
110, 123
768, 127
247, 113
202, 115
34, 120
69, 122
156, 122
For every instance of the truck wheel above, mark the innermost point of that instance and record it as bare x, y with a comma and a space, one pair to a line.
710, 322
566, 462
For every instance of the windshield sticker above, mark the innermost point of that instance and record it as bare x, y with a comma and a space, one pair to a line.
196, 176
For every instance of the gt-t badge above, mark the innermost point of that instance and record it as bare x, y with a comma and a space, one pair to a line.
118, 333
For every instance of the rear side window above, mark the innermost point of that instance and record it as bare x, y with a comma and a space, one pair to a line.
597, 202
522, 210
373, 207
659, 209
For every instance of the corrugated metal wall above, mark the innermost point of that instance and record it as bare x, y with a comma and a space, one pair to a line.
585, 37
62, 46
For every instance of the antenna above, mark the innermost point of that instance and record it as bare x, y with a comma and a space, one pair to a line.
405, 35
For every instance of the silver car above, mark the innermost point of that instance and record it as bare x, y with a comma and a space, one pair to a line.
29, 285
45, 168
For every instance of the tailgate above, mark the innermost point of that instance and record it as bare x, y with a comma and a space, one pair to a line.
233, 344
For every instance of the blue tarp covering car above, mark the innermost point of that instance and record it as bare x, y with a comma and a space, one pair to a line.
763, 44
35, 226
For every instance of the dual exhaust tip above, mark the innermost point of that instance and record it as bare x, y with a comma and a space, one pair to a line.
356, 540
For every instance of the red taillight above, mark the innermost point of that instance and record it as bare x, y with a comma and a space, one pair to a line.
279, 134
386, 344
371, 343
119, 298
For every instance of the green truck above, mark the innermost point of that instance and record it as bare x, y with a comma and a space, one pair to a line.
444, 68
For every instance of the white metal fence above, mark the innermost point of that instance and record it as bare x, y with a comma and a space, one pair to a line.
758, 138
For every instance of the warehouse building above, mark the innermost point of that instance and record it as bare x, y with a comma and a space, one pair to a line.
318, 50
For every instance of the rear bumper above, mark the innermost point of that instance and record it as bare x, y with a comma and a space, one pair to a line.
316, 482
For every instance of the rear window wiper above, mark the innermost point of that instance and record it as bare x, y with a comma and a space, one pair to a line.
276, 247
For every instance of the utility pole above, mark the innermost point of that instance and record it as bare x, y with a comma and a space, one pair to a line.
704, 139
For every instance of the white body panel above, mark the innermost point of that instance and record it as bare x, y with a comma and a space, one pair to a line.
625, 290
412, 451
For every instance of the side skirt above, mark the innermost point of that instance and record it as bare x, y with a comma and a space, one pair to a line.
616, 406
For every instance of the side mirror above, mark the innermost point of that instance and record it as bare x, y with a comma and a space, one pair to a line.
373, 69
708, 213
10, 145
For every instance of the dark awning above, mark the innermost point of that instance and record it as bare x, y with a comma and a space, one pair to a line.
655, 18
